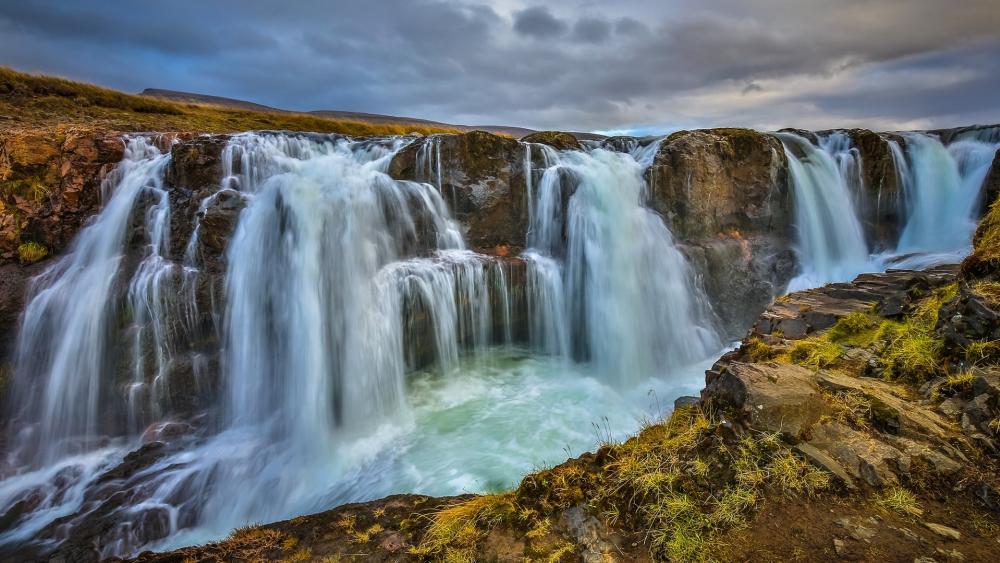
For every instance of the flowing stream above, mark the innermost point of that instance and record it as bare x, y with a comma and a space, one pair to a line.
364, 350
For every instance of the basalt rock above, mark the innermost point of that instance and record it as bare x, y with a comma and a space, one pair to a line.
481, 178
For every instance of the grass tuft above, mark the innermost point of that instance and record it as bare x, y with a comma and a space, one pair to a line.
31, 252
817, 352
900, 500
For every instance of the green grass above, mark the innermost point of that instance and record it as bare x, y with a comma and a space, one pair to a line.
816, 352
37, 101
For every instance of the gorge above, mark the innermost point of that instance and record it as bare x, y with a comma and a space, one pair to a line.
245, 328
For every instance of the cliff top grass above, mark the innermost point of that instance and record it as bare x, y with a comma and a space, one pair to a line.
29, 100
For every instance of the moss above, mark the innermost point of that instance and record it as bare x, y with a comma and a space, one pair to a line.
983, 352
913, 350
31, 252
816, 352
957, 384
988, 291
985, 257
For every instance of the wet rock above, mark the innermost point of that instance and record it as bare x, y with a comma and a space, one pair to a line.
878, 203
713, 181
725, 192
685, 402
165, 431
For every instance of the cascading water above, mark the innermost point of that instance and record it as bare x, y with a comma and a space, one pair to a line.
614, 290
825, 179
61, 381
941, 187
365, 351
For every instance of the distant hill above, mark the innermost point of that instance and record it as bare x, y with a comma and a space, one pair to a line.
374, 118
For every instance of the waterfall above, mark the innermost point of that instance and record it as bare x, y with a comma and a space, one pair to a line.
614, 289
941, 188
60, 382
364, 350
825, 180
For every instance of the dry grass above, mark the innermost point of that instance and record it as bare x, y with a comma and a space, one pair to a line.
31, 252
900, 500
455, 530
29, 100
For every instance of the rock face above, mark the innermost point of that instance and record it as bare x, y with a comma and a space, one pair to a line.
50, 184
724, 193
878, 204
864, 430
481, 177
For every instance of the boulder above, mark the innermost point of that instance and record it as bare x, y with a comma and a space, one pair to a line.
771, 397
717, 181
878, 203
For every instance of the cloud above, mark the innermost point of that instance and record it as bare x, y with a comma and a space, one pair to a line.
567, 64
538, 22
591, 30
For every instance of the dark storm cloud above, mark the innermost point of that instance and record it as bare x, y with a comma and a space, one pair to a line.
592, 30
562, 64
538, 22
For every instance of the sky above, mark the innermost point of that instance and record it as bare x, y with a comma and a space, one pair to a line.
638, 66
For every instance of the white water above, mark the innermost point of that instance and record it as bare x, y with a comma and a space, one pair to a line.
340, 280
941, 191
825, 178
61, 381
941, 188
622, 294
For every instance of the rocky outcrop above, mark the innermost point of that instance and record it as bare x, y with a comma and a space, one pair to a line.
50, 183
879, 202
724, 194
840, 410
481, 177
